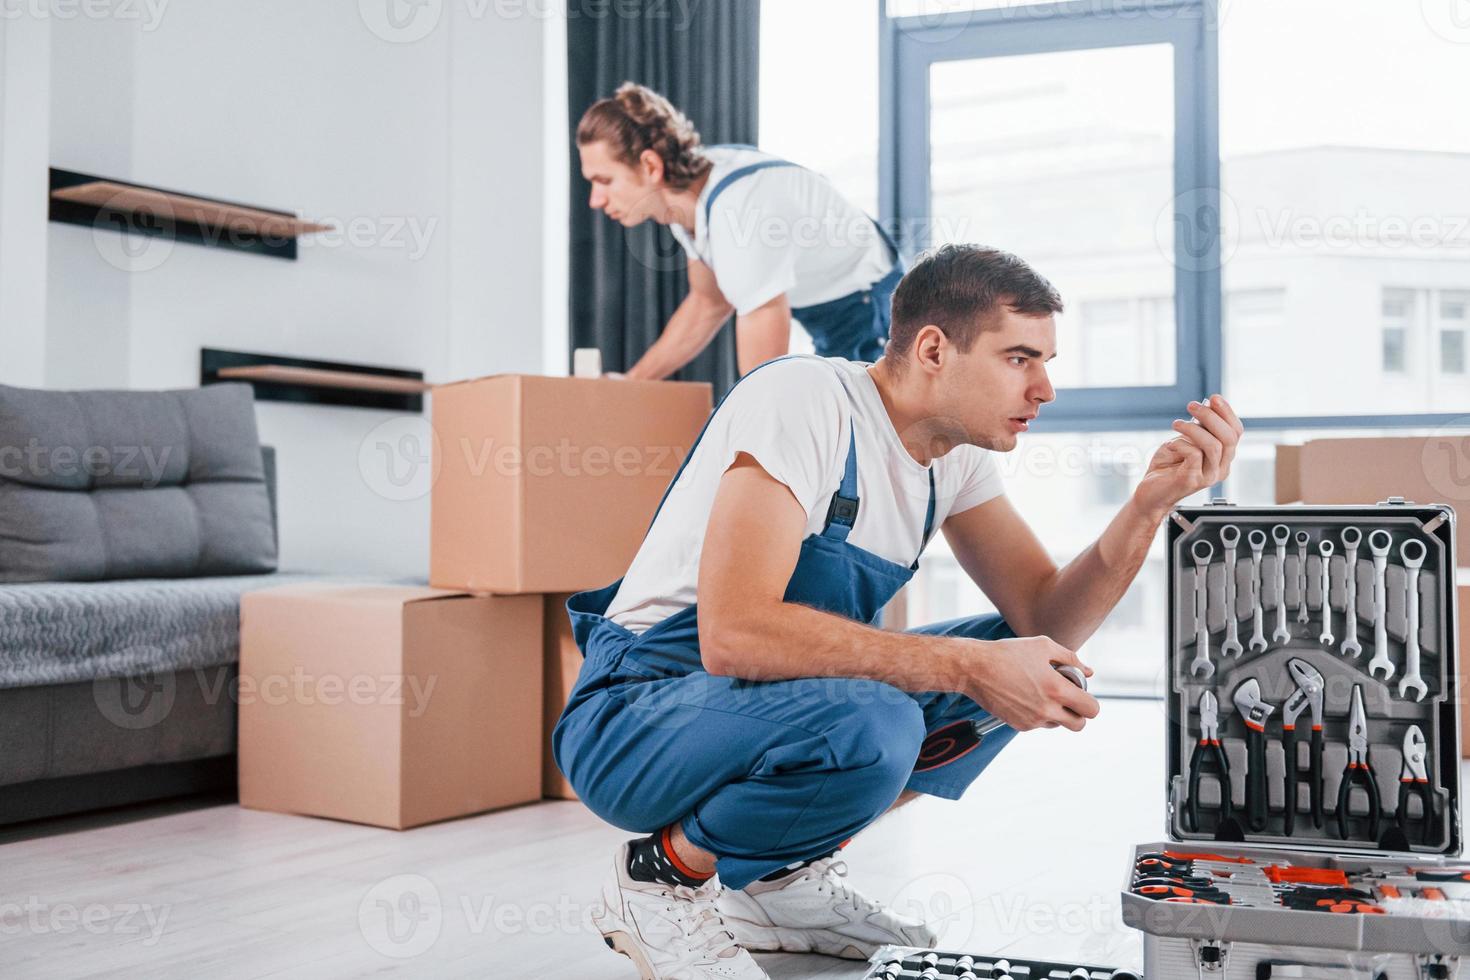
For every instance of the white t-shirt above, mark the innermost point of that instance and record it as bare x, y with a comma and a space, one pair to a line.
782, 230
793, 416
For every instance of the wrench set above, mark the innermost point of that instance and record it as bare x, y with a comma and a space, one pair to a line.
1283, 731
1313, 748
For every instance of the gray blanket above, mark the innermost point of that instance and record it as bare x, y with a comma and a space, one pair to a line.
61, 632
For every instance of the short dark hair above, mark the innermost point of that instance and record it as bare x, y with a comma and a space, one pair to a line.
958, 287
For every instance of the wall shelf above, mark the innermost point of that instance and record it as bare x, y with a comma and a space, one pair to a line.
98, 202
308, 382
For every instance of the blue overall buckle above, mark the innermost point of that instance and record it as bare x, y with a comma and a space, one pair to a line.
842, 510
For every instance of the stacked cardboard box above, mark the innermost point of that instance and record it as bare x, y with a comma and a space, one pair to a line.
402, 706
547, 486
1423, 469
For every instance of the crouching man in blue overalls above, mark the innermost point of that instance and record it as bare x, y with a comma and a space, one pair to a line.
735, 702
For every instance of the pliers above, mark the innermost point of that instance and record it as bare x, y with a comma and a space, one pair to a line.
1309, 686
1358, 771
1208, 755
1414, 781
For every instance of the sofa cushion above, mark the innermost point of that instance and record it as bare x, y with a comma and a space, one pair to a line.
64, 632
132, 484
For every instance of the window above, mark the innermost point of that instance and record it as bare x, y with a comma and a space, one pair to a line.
819, 98
1062, 157
1454, 318
1331, 186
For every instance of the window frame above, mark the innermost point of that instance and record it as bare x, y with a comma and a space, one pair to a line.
909, 45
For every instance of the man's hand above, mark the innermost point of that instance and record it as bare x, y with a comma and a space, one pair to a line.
1016, 680
1199, 457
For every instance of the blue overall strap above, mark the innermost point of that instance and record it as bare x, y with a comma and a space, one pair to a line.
749, 169
735, 175
928, 521
842, 511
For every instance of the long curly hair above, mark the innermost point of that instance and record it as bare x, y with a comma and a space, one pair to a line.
637, 118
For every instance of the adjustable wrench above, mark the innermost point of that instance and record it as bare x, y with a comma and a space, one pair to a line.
1202, 551
1254, 712
1325, 578
1281, 534
1302, 539
1257, 541
1351, 537
1378, 543
1230, 537
1413, 553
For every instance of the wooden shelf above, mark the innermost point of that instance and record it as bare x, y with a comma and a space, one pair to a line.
315, 378
277, 378
99, 202
180, 207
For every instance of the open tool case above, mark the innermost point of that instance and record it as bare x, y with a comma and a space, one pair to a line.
1313, 748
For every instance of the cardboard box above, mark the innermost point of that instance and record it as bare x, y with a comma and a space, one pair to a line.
548, 484
1423, 469
394, 706
561, 660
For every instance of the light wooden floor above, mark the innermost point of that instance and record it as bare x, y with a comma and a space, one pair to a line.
1030, 862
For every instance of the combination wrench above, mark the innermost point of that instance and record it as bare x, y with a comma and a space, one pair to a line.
1201, 666
1302, 539
1230, 537
1257, 541
1413, 553
1351, 538
1378, 543
1324, 577
1281, 534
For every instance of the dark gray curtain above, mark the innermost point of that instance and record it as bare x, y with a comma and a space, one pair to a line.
704, 56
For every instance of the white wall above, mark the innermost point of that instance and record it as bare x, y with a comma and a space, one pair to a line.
423, 143
24, 81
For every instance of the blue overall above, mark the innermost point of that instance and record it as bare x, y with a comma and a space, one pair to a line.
764, 773
854, 326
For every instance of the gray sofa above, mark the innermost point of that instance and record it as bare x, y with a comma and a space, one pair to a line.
120, 592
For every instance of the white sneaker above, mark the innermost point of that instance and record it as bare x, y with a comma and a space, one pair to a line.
813, 910
670, 932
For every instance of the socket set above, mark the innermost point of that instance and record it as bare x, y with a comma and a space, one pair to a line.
1312, 669
913, 963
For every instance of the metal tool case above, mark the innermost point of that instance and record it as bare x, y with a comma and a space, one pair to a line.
1313, 748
